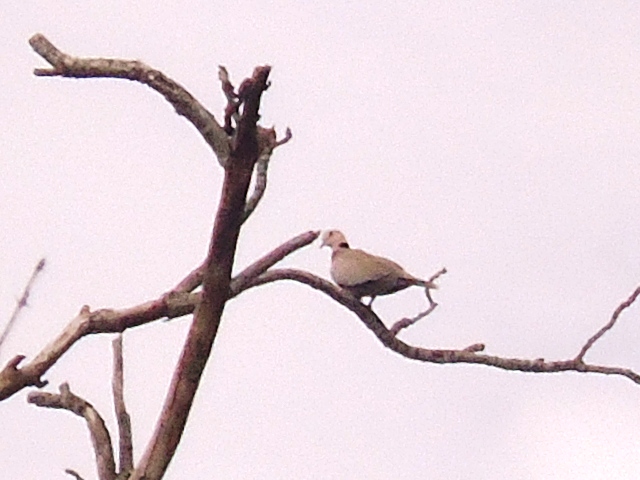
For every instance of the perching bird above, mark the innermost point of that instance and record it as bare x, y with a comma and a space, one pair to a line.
363, 274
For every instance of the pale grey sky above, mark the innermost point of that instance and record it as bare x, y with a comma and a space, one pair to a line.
498, 139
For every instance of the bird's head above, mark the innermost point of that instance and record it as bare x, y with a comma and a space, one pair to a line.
334, 239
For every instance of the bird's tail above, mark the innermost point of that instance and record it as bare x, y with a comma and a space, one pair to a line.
426, 284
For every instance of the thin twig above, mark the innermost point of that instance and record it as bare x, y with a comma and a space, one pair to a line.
73, 473
270, 259
22, 301
232, 110
267, 140
614, 318
288, 135
100, 437
407, 322
125, 442
192, 281
437, 275
269, 144
267, 137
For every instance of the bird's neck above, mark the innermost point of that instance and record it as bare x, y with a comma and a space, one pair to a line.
341, 247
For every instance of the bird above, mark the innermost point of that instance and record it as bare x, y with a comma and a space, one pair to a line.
365, 275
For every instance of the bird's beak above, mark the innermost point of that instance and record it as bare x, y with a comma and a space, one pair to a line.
323, 240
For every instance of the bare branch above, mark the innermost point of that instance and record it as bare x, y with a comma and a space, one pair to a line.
232, 110
624, 305
87, 322
185, 104
260, 185
73, 473
175, 303
178, 303
239, 282
99, 433
13, 379
287, 136
476, 347
437, 275
22, 302
125, 442
466, 355
268, 137
192, 281
215, 286
269, 144
407, 322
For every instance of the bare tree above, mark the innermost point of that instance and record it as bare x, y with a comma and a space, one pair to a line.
243, 148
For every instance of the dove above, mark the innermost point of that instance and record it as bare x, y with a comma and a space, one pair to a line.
363, 274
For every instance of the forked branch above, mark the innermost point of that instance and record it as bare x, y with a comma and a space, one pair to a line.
100, 437
407, 322
175, 303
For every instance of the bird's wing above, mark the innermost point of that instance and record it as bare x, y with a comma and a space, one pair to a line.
351, 267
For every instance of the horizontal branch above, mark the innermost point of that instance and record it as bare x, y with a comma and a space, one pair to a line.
179, 302
185, 104
465, 355
100, 438
175, 303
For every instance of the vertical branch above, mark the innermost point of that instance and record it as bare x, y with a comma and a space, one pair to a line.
215, 288
125, 442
